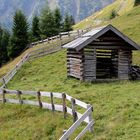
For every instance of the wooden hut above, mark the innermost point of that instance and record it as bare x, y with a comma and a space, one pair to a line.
101, 54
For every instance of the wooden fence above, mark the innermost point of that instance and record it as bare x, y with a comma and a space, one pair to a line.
78, 118
55, 42
70, 34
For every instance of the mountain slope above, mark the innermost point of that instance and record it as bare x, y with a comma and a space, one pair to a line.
103, 16
116, 105
127, 21
78, 8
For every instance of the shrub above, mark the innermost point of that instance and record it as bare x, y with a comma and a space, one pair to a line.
113, 14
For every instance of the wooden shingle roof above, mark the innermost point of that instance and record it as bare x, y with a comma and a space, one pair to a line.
94, 34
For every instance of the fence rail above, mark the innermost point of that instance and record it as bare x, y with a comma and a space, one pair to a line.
78, 118
60, 40
77, 33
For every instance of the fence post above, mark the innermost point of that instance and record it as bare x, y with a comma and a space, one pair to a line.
4, 83
69, 36
53, 108
74, 113
82, 32
78, 33
90, 117
64, 104
19, 96
60, 37
3, 96
39, 99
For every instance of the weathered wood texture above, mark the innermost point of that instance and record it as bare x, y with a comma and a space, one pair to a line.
75, 63
107, 57
78, 118
90, 64
124, 64
55, 42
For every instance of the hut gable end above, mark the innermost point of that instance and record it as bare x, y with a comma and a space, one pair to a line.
101, 54
96, 33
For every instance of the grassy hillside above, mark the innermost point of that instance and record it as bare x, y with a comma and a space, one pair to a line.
5, 68
116, 105
30, 123
103, 16
128, 21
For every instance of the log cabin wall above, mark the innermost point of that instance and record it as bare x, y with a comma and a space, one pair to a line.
124, 64
114, 62
75, 63
106, 58
89, 64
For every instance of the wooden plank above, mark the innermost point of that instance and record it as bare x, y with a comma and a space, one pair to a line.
47, 105
75, 67
12, 101
85, 130
69, 110
28, 102
106, 47
79, 115
55, 94
90, 65
74, 59
75, 125
11, 91
58, 107
75, 71
80, 103
77, 102
75, 56
74, 75
109, 43
90, 117
29, 92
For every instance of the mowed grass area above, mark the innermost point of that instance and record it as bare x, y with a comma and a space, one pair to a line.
116, 105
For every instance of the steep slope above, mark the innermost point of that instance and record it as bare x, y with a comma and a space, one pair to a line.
116, 105
127, 21
30, 123
78, 8
103, 16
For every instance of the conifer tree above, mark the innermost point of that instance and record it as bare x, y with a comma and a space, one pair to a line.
0, 46
72, 20
19, 39
35, 29
4, 39
67, 23
4, 46
47, 24
57, 20
137, 2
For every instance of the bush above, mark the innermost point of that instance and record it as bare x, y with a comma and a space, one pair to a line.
113, 14
137, 2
